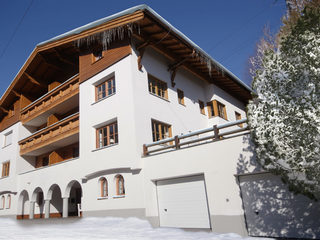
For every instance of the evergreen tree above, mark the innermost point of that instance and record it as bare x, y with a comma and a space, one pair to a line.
285, 113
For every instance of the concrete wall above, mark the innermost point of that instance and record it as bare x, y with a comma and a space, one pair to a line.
218, 161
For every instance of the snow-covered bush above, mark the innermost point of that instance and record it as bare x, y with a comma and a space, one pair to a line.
285, 113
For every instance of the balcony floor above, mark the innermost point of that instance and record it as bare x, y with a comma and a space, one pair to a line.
53, 146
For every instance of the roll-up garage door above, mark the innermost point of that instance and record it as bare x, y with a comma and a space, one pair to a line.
183, 203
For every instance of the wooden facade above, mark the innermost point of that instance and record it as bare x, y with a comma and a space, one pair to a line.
88, 67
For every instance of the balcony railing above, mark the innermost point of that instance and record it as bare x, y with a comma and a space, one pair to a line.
58, 131
53, 98
208, 135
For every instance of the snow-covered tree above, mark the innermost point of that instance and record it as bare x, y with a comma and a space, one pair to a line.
285, 113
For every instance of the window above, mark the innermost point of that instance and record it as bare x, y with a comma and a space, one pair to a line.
75, 152
2, 202
157, 87
222, 110
238, 117
107, 135
210, 109
217, 109
180, 96
8, 139
45, 161
8, 201
160, 130
120, 185
97, 55
105, 89
201, 106
5, 169
103, 187
11, 112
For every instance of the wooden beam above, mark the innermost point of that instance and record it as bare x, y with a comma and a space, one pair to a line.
16, 93
51, 63
155, 33
3, 109
141, 48
34, 81
63, 58
147, 25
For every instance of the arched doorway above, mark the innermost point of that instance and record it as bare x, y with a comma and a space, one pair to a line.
23, 205
38, 200
74, 191
54, 196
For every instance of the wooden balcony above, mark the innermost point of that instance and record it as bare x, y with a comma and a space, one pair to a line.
64, 93
62, 133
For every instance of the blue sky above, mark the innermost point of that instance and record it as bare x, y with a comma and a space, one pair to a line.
227, 29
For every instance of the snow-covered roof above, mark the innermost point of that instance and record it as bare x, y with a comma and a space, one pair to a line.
145, 7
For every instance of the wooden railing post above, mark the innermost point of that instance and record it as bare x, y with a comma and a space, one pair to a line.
216, 132
145, 150
177, 142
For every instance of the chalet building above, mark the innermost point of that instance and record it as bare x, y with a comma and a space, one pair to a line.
125, 117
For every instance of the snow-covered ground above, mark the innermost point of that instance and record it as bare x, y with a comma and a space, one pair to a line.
99, 228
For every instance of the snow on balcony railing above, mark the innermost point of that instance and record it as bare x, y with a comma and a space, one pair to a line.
215, 133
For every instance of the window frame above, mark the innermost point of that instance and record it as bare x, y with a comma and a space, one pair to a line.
2, 203
120, 192
103, 187
100, 142
217, 109
8, 206
97, 55
160, 87
161, 136
238, 117
6, 135
5, 169
202, 107
105, 92
180, 95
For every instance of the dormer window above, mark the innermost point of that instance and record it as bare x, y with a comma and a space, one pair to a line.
97, 55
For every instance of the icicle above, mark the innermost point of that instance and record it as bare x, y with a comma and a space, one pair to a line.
106, 37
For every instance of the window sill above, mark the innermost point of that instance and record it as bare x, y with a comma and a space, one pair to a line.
7, 145
218, 117
4, 177
182, 104
111, 145
159, 97
103, 98
95, 61
119, 196
102, 198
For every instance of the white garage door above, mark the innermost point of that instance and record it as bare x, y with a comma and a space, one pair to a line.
183, 203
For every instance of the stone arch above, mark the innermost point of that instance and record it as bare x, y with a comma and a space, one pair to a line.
54, 195
37, 199
73, 193
23, 205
